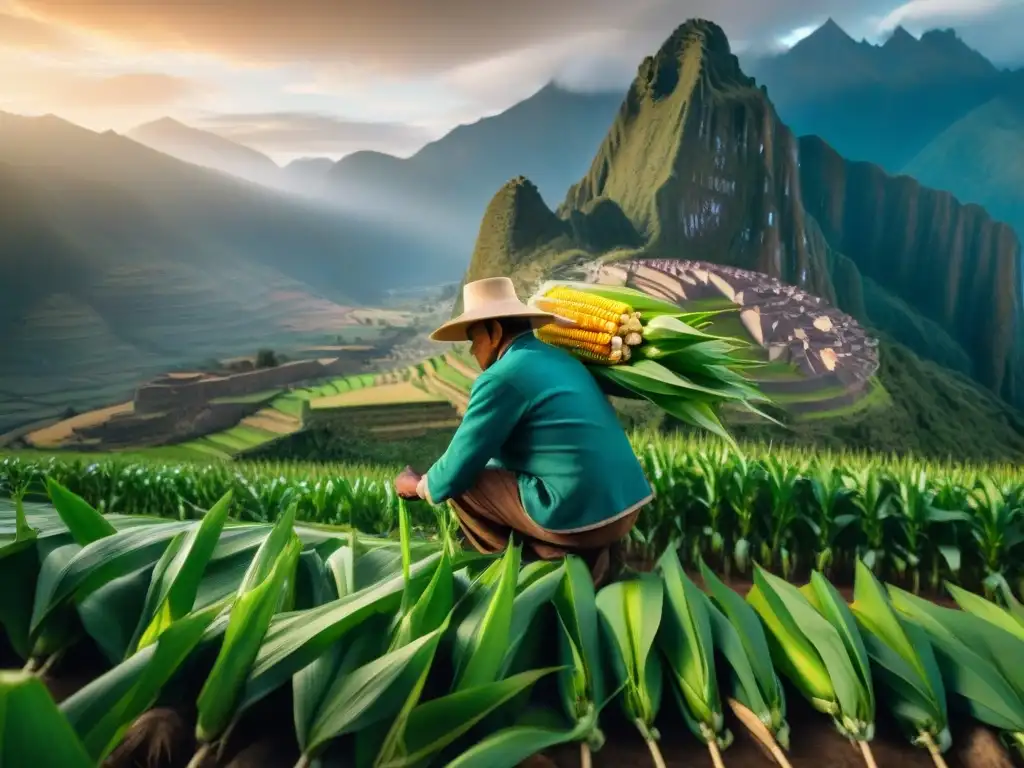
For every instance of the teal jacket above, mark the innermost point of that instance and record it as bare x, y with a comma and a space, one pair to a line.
539, 413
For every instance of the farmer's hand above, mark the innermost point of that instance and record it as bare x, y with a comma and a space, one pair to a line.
406, 482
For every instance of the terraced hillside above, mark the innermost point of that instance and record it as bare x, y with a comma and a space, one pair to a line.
817, 360
396, 405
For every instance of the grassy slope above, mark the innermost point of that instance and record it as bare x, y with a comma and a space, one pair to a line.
933, 412
979, 159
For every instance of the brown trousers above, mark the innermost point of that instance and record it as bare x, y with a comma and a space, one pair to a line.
491, 512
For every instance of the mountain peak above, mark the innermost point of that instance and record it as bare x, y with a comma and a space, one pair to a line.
163, 125
206, 149
697, 50
829, 33
900, 34
694, 134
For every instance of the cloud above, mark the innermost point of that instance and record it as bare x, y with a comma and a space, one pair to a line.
989, 26
931, 11
132, 90
24, 33
321, 134
388, 35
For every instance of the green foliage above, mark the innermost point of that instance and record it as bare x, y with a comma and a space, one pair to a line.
934, 413
913, 521
418, 655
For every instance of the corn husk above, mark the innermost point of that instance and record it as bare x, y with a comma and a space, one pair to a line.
755, 691
815, 642
980, 663
904, 663
631, 615
685, 639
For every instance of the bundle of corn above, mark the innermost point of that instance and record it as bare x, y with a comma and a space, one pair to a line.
641, 347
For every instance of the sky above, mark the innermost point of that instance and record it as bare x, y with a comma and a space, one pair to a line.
329, 77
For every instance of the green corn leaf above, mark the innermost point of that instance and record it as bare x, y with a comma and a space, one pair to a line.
19, 564
480, 658
965, 660
431, 609
686, 642
696, 414
830, 604
69, 574
1013, 605
582, 683
373, 692
739, 635
647, 378
527, 604
83, 521
813, 652
313, 683
176, 579
631, 612
268, 555
32, 729
111, 614
434, 725
904, 663
296, 639
999, 647
672, 331
987, 610
248, 621
22, 530
509, 747
102, 711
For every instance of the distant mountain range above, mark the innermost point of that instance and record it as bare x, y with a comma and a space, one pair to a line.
115, 258
885, 104
443, 188
932, 108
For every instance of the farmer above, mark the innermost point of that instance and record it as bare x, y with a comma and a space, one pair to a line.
540, 454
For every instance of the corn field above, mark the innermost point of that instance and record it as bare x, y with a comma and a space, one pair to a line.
913, 523
369, 651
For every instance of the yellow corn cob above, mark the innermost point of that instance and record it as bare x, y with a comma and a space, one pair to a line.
605, 356
589, 300
577, 334
586, 350
588, 318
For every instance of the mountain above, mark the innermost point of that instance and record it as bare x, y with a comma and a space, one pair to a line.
549, 136
879, 103
979, 158
697, 165
118, 261
308, 175
208, 150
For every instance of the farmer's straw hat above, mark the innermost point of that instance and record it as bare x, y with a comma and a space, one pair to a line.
488, 299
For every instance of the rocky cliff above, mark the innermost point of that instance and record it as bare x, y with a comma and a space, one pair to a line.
697, 165
952, 263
